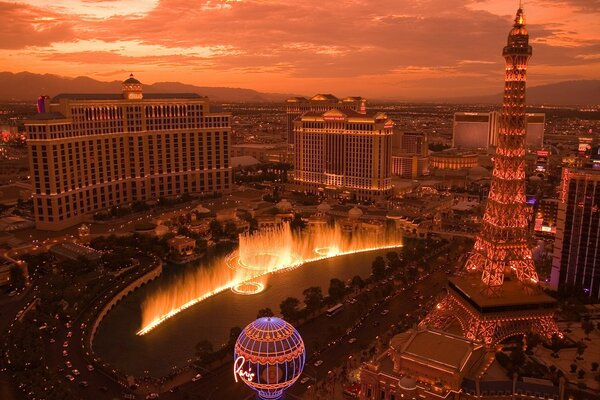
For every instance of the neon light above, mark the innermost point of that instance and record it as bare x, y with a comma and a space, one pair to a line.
238, 370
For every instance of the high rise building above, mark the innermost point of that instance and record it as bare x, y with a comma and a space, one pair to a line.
410, 155
344, 153
474, 130
576, 259
491, 308
296, 106
89, 152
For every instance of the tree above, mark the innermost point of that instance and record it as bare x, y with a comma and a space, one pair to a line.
573, 368
393, 260
297, 223
289, 308
17, 277
234, 333
265, 312
204, 350
517, 357
216, 229
588, 327
532, 340
378, 267
580, 349
313, 298
337, 289
358, 282
230, 228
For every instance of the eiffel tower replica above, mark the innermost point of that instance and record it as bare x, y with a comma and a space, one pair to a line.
499, 295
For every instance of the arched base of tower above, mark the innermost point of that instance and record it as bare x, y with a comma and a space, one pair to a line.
492, 319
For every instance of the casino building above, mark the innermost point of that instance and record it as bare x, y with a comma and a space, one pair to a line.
344, 153
296, 106
89, 152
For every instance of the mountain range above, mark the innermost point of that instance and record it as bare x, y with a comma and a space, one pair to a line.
27, 86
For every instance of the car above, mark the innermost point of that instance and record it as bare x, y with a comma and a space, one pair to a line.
197, 377
84, 384
352, 340
70, 377
385, 312
65, 353
318, 363
90, 368
304, 380
152, 396
76, 372
68, 364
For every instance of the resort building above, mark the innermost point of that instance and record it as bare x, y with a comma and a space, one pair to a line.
296, 106
344, 153
410, 155
453, 159
576, 259
479, 131
89, 152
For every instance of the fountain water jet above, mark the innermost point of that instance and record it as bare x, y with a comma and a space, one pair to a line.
259, 254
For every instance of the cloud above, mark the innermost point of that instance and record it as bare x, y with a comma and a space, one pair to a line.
305, 43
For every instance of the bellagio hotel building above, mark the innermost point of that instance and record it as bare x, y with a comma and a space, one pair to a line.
89, 152
344, 153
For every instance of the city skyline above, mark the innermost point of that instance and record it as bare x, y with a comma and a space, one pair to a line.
451, 47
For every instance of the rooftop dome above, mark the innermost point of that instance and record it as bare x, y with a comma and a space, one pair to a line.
355, 213
323, 208
131, 80
407, 383
284, 206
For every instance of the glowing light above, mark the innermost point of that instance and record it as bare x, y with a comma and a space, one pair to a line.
248, 288
260, 254
238, 370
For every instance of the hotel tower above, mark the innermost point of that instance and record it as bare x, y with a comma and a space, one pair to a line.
90, 152
344, 153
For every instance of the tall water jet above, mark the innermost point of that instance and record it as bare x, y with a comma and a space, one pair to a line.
245, 270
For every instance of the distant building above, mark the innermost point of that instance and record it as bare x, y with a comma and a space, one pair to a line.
479, 131
410, 155
265, 153
182, 245
576, 260
296, 106
453, 159
547, 216
344, 153
89, 152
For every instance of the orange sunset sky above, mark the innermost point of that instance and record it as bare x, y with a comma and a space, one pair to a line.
375, 48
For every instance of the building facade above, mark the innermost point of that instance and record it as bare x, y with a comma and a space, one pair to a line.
453, 159
410, 155
89, 152
576, 258
296, 106
344, 153
479, 131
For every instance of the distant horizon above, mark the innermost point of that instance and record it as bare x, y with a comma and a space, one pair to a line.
486, 99
380, 49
